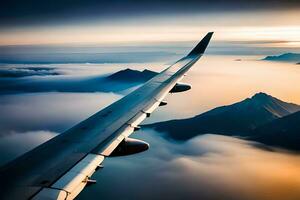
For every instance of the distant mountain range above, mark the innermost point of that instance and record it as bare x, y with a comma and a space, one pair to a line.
286, 57
256, 118
14, 80
129, 75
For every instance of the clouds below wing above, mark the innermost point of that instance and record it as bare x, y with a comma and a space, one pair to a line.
204, 167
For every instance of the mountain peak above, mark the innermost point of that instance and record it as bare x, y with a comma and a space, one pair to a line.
236, 119
263, 99
261, 95
130, 75
286, 57
273, 105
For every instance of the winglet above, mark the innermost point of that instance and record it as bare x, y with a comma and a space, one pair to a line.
201, 46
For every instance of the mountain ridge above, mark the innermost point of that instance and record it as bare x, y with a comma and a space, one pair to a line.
238, 119
283, 132
130, 75
16, 81
285, 57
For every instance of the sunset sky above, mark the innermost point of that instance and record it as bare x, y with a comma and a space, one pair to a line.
272, 23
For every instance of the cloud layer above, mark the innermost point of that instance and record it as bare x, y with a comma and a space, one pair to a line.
26, 71
207, 167
49, 111
15, 144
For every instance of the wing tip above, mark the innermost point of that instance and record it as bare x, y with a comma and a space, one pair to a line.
201, 46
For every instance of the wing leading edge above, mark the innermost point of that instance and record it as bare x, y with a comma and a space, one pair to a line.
62, 167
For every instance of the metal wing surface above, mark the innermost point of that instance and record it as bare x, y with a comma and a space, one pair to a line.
61, 167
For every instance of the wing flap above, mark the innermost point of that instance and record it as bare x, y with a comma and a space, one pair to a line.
70, 184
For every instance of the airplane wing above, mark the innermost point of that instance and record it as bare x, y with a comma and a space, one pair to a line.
61, 167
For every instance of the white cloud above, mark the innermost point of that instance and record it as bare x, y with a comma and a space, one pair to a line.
53, 111
206, 167
13, 144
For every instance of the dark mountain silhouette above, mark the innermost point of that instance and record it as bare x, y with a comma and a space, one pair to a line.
239, 119
286, 57
283, 132
19, 81
129, 75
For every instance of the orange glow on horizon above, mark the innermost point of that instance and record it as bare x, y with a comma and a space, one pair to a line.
275, 26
